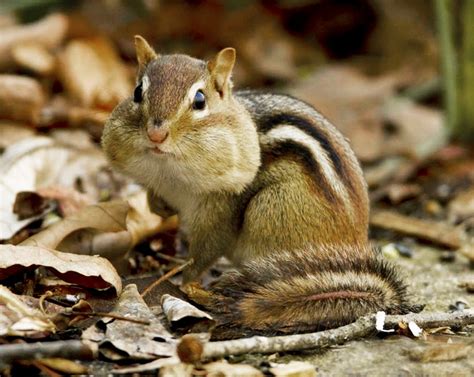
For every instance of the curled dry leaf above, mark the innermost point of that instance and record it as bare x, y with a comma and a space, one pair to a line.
142, 223
34, 57
40, 162
86, 271
48, 32
106, 217
121, 339
93, 73
20, 319
21, 98
177, 310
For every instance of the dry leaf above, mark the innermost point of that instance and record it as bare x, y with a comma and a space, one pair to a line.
65, 366
462, 206
19, 319
224, 369
421, 141
34, 57
93, 73
293, 369
48, 32
177, 370
87, 271
106, 217
126, 340
21, 98
177, 310
40, 162
142, 223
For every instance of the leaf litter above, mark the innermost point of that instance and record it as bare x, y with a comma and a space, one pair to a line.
53, 221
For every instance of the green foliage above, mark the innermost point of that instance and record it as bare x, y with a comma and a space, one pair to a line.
31, 10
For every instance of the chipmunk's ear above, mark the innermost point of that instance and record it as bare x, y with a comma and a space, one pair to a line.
220, 69
145, 53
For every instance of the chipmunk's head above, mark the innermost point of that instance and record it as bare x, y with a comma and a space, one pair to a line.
182, 122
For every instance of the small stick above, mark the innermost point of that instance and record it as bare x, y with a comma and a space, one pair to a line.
436, 232
169, 258
110, 315
167, 276
67, 349
361, 328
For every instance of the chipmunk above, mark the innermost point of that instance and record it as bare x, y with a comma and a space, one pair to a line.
262, 179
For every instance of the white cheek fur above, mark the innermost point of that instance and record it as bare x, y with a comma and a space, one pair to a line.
145, 83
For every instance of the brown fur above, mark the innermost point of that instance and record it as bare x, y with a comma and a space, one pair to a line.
262, 179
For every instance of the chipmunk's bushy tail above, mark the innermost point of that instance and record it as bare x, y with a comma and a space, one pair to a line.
298, 292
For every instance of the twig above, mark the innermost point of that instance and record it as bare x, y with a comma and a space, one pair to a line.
109, 315
436, 232
323, 339
167, 276
169, 258
67, 349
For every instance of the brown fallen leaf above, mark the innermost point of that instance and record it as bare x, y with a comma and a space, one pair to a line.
182, 314
120, 340
440, 352
224, 369
293, 368
70, 201
40, 162
142, 223
18, 318
419, 142
21, 98
83, 270
108, 229
66, 366
48, 32
93, 73
106, 217
34, 57
462, 206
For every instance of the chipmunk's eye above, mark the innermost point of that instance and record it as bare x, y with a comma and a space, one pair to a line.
199, 102
138, 93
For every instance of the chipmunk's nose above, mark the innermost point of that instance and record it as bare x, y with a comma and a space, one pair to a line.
156, 133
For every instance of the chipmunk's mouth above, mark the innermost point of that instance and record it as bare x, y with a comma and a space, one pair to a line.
156, 150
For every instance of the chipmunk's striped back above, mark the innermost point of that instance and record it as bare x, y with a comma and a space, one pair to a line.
291, 130
288, 126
